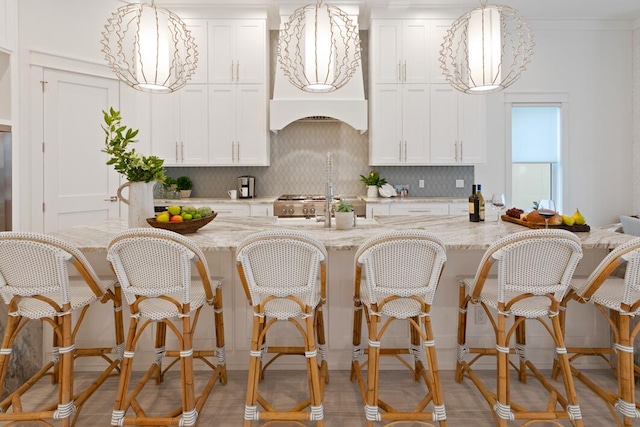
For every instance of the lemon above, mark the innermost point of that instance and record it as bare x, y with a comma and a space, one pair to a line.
163, 217
567, 220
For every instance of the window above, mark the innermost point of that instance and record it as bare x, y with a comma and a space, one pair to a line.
535, 153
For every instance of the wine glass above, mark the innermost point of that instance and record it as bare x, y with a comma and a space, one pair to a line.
546, 209
498, 203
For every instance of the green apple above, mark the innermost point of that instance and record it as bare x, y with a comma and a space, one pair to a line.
174, 210
187, 216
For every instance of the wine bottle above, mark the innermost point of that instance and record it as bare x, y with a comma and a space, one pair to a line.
481, 202
474, 205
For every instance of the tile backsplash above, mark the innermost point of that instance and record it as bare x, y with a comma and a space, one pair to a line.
298, 165
299, 154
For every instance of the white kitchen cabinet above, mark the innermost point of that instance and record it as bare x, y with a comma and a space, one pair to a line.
8, 24
399, 128
262, 209
399, 51
374, 209
459, 208
418, 208
438, 32
238, 125
179, 126
237, 51
457, 126
231, 209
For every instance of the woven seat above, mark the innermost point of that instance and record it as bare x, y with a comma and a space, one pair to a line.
396, 276
534, 269
283, 273
154, 267
38, 282
618, 300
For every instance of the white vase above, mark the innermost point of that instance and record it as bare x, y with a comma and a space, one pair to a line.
185, 194
344, 220
140, 202
372, 191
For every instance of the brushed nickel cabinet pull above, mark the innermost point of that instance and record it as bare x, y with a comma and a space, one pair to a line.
112, 199
405, 151
405, 71
399, 71
238, 150
455, 149
399, 151
182, 150
461, 150
176, 151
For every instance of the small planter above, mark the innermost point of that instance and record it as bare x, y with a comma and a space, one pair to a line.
372, 191
345, 220
185, 194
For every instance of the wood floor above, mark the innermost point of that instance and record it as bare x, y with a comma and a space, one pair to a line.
342, 406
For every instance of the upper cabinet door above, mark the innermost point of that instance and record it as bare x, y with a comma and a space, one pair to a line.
438, 32
399, 51
7, 24
415, 51
386, 51
237, 51
198, 30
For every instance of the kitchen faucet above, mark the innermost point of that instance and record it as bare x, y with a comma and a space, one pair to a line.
328, 195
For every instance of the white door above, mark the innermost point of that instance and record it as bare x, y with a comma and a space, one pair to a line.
78, 185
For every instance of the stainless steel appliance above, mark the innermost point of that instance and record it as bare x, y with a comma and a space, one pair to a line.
246, 187
5, 178
306, 206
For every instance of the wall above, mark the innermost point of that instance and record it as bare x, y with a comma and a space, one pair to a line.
636, 120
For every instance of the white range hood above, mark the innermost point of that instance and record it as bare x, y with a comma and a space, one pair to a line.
346, 104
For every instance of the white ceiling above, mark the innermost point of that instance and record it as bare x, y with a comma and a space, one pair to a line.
547, 9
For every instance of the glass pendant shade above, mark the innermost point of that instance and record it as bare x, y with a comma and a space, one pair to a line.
319, 48
149, 48
486, 50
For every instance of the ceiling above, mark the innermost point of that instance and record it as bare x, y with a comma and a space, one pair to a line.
532, 9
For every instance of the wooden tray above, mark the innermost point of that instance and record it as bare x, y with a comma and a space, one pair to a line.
574, 228
184, 227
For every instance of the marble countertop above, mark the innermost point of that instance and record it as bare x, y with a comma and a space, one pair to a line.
271, 199
224, 233
384, 200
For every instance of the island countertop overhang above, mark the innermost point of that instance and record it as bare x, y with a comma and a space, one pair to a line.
224, 233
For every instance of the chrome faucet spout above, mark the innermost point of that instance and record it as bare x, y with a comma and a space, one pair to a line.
329, 193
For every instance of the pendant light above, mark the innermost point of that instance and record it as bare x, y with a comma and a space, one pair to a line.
319, 48
149, 48
487, 49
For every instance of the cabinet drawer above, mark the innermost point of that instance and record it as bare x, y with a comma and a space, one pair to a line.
374, 209
419, 209
262, 209
228, 209
459, 208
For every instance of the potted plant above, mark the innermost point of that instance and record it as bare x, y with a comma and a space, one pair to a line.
185, 185
344, 215
373, 182
141, 171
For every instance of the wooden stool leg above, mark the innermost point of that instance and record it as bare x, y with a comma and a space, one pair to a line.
371, 408
563, 360
161, 339
322, 343
521, 350
357, 336
189, 413
7, 344
253, 378
416, 350
463, 304
626, 384
126, 366
219, 324
502, 372
317, 411
432, 363
65, 401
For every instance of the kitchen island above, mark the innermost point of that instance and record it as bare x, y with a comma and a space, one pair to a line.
465, 243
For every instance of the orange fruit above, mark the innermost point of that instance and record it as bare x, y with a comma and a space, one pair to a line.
175, 218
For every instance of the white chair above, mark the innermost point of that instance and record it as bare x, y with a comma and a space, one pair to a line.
154, 269
630, 225
38, 282
534, 270
618, 300
401, 273
283, 273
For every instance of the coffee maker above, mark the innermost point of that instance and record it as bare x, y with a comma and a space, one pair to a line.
246, 187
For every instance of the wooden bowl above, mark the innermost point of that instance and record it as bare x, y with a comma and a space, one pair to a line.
184, 227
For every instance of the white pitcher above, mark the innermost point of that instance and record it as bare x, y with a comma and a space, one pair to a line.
140, 202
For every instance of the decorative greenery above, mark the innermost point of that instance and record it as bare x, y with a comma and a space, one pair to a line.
373, 179
170, 183
184, 183
344, 206
126, 161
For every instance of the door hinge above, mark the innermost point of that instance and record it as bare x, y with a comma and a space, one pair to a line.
43, 83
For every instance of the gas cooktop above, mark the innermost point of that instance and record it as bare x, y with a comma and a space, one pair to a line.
307, 205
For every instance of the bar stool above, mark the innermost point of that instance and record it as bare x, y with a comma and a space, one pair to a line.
618, 300
154, 269
401, 273
47, 279
534, 269
283, 273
